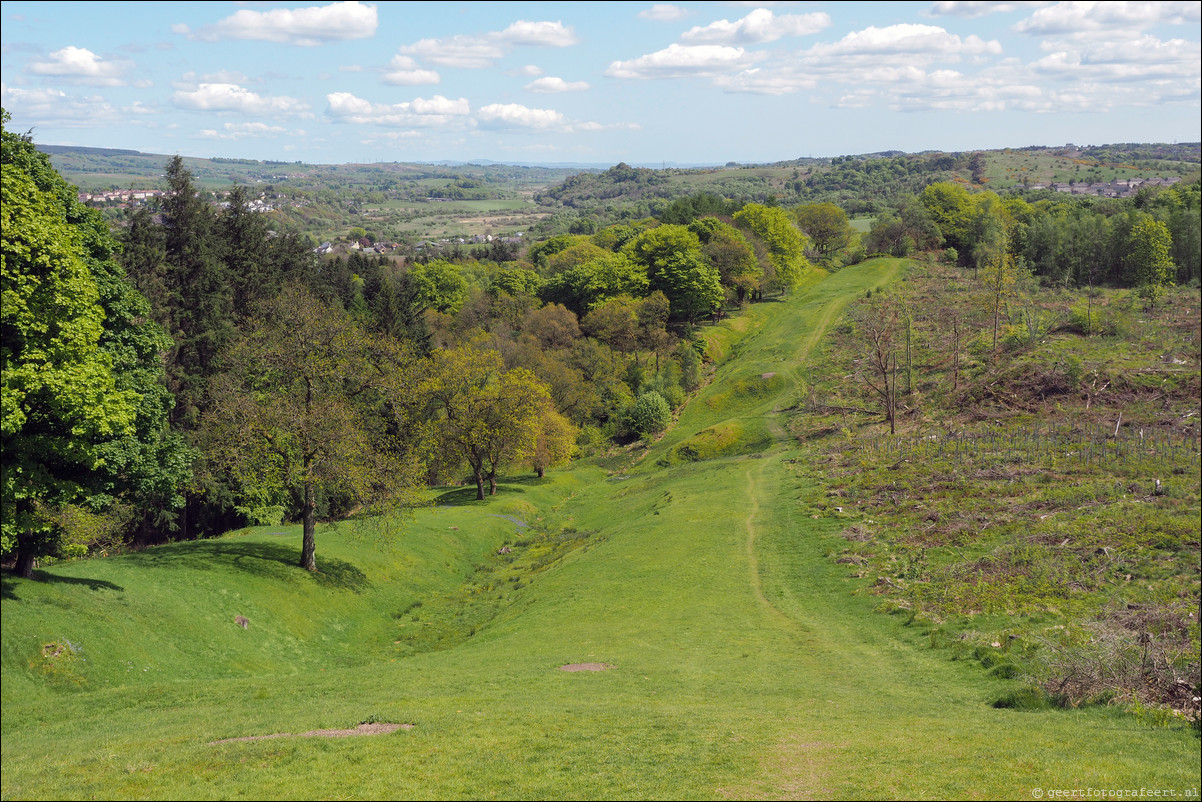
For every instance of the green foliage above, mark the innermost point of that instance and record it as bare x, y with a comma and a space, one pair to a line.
650, 414
439, 285
514, 281
729, 251
675, 266
61, 403
484, 415
826, 225
952, 209
592, 283
1152, 268
786, 245
304, 406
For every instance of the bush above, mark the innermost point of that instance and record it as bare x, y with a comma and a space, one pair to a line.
1023, 699
1086, 320
649, 415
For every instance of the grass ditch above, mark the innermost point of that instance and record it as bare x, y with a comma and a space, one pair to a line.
744, 661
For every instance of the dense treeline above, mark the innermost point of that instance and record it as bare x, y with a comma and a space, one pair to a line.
265, 383
201, 370
1147, 241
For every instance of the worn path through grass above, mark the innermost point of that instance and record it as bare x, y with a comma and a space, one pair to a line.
743, 662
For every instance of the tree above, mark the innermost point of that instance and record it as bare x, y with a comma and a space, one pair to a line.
514, 281
554, 442
729, 251
553, 325
650, 414
199, 293
614, 323
1151, 266
59, 400
483, 414
999, 276
589, 284
786, 245
676, 267
439, 285
951, 208
879, 324
826, 225
310, 403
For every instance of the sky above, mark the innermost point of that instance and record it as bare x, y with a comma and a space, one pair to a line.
598, 82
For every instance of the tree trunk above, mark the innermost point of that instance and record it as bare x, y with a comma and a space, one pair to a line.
492, 483
479, 484
25, 557
308, 559
892, 394
540, 472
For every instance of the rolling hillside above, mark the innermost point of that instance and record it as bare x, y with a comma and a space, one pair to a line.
737, 660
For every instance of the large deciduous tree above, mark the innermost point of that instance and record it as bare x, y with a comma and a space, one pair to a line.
729, 251
786, 245
482, 413
76, 432
827, 226
1151, 266
309, 402
677, 268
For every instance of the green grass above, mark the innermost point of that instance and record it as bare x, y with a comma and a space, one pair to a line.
745, 662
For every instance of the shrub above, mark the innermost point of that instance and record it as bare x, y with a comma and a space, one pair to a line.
1086, 320
650, 414
1023, 699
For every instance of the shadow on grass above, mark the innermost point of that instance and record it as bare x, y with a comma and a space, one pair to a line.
8, 583
273, 560
463, 496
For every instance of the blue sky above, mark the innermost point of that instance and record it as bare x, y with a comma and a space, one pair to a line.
598, 82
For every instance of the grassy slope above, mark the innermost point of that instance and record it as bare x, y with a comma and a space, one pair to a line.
742, 664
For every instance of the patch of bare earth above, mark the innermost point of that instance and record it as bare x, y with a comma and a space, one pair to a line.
362, 729
586, 667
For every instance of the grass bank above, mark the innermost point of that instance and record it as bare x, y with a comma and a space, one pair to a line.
741, 661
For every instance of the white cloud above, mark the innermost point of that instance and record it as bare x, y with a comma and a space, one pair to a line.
468, 52
677, 61
441, 105
232, 97
236, 131
412, 77
53, 106
767, 82
482, 51
905, 39
1086, 17
970, 9
405, 72
761, 25
664, 12
551, 85
80, 65
537, 34
529, 71
1141, 59
306, 27
437, 111
513, 115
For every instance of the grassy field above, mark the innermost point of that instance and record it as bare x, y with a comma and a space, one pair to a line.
742, 661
